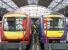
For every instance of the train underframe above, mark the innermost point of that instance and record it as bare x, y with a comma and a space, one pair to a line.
14, 46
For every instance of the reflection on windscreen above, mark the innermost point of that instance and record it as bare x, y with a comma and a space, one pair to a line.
55, 24
13, 24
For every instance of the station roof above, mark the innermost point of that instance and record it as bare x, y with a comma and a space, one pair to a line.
54, 5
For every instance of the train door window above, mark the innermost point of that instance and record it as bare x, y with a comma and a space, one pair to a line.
61, 24
19, 24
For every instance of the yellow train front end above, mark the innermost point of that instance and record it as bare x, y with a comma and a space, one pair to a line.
12, 26
54, 26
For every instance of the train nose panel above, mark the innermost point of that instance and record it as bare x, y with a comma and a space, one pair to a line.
14, 35
55, 34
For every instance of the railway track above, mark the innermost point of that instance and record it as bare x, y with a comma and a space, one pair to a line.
35, 44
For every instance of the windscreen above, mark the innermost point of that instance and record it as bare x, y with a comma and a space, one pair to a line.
13, 24
55, 24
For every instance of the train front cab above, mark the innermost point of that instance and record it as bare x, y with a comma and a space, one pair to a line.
54, 28
13, 29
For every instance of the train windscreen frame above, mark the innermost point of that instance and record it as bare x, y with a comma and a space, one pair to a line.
13, 24
55, 24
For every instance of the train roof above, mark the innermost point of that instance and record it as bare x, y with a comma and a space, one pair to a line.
54, 16
14, 14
